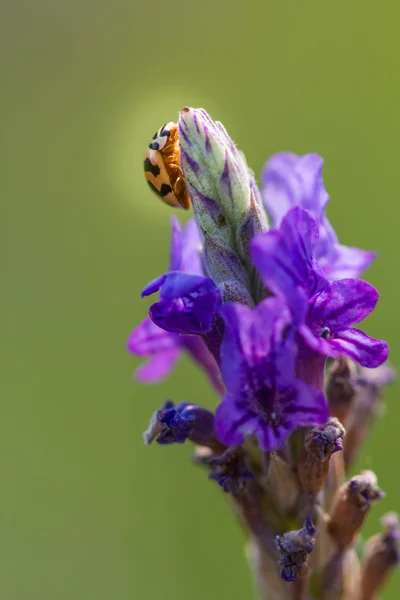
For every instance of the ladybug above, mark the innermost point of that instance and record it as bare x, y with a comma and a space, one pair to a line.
162, 167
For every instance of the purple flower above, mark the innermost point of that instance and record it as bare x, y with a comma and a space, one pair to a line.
188, 305
284, 257
290, 180
165, 347
330, 316
175, 424
258, 360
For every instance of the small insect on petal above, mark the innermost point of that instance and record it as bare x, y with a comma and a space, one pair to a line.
162, 167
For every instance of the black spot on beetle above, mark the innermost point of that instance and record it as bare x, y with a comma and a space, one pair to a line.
165, 132
163, 191
154, 146
150, 168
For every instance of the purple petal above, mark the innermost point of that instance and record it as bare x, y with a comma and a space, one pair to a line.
189, 303
163, 348
358, 346
290, 180
148, 339
158, 367
176, 245
342, 262
271, 438
346, 302
176, 284
285, 261
230, 423
310, 407
191, 261
249, 336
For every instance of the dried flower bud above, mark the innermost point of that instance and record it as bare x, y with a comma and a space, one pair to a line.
341, 577
294, 548
319, 445
351, 507
381, 554
226, 208
368, 386
230, 471
175, 424
340, 389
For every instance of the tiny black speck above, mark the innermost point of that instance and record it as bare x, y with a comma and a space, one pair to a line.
221, 220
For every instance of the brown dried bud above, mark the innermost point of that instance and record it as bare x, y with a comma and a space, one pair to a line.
340, 389
294, 548
319, 445
381, 554
368, 385
341, 577
351, 507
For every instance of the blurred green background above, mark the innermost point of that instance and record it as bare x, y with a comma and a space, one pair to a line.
86, 511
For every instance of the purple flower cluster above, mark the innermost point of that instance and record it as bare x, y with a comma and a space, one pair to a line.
261, 310
265, 357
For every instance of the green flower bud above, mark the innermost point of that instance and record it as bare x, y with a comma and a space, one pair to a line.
225, 202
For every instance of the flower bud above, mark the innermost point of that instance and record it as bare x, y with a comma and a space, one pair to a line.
294, 548
381, 554
176, 424
341, 577
230, 471
319, 445
351, 507
226, 206
368, 386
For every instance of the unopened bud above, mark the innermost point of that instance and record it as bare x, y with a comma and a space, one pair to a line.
225, 204
319, 445
381, 554
175, 424
369, 386
341, 577
351, 506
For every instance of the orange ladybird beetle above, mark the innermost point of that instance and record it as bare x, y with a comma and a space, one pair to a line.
162, 167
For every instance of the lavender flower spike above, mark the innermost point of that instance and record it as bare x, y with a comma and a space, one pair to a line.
290, 180
261, 311
225, 204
